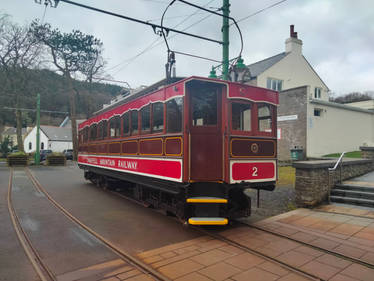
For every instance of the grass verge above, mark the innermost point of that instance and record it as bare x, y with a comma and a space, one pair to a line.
351, 154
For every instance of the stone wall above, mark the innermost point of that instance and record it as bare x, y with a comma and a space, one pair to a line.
313, 183
292, 106
367, 152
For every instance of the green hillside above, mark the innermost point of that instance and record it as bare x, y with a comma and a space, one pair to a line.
54, 97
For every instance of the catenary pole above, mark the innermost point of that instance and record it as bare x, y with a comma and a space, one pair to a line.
225, 39
37, 150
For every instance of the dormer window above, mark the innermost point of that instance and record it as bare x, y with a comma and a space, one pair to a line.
274, 84
317, 93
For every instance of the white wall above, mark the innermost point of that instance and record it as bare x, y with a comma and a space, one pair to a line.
31, 137
337, 130
60, 146
294, 71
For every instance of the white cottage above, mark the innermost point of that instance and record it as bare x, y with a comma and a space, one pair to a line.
306, 118
54, 138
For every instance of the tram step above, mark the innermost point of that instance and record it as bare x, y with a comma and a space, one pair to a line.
205, 199
208, 221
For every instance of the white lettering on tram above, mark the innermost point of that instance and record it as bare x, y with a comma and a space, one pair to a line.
133, 165
108, 162
91, 160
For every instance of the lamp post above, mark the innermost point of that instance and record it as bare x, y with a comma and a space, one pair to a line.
37, 150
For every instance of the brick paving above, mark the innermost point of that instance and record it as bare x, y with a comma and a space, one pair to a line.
344, 234
205, 258
345, 210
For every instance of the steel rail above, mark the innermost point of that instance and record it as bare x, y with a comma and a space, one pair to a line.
232, 243
122, 254
235, 244
351, 259
259, 254
344, 214
41, 269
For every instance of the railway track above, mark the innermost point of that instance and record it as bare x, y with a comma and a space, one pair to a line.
253, 251
343, 214
238, 245
259, 254
345, 257
219, 237
40, 267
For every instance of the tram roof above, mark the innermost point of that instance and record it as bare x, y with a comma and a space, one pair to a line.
154, 87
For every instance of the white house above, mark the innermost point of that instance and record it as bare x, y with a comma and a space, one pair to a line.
56, 139
306, 118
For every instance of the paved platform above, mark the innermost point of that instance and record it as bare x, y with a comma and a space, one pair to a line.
365, 180
205, 259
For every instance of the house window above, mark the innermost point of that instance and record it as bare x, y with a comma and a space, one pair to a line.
30, 145
42, 145
317, 112
317, 93
274, 84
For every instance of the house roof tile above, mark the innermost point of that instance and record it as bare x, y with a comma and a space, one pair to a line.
57, 133
260, 66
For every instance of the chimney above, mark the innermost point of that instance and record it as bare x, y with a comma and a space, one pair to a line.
293, 44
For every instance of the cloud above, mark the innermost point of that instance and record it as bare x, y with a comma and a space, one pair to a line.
338, 36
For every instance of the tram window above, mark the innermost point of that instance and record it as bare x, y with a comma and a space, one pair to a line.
85, 134
93, 132
204, 108
115, 127
100, 133
105, 129
174, 113
146, 119
158, 117
126, 123
241, 116
134, 122
264, 118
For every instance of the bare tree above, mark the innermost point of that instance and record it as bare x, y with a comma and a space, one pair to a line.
20, 51
73, 54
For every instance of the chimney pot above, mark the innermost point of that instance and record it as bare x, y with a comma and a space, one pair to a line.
291, 30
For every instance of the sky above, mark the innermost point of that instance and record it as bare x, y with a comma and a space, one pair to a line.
337, 35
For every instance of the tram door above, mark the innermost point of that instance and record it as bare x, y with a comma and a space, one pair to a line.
205, 131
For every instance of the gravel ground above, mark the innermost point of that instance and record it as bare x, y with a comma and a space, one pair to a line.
272, 203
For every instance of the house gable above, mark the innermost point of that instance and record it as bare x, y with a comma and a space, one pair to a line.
294, 71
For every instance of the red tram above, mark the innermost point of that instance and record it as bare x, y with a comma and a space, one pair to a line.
190, 147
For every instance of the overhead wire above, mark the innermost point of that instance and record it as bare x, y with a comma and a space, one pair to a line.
221, 15
154, 26
260, 11
153, 45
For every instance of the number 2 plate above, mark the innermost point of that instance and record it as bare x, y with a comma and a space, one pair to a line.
253, 171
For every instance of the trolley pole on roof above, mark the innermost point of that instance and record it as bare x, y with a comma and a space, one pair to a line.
225, 39
37, 151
